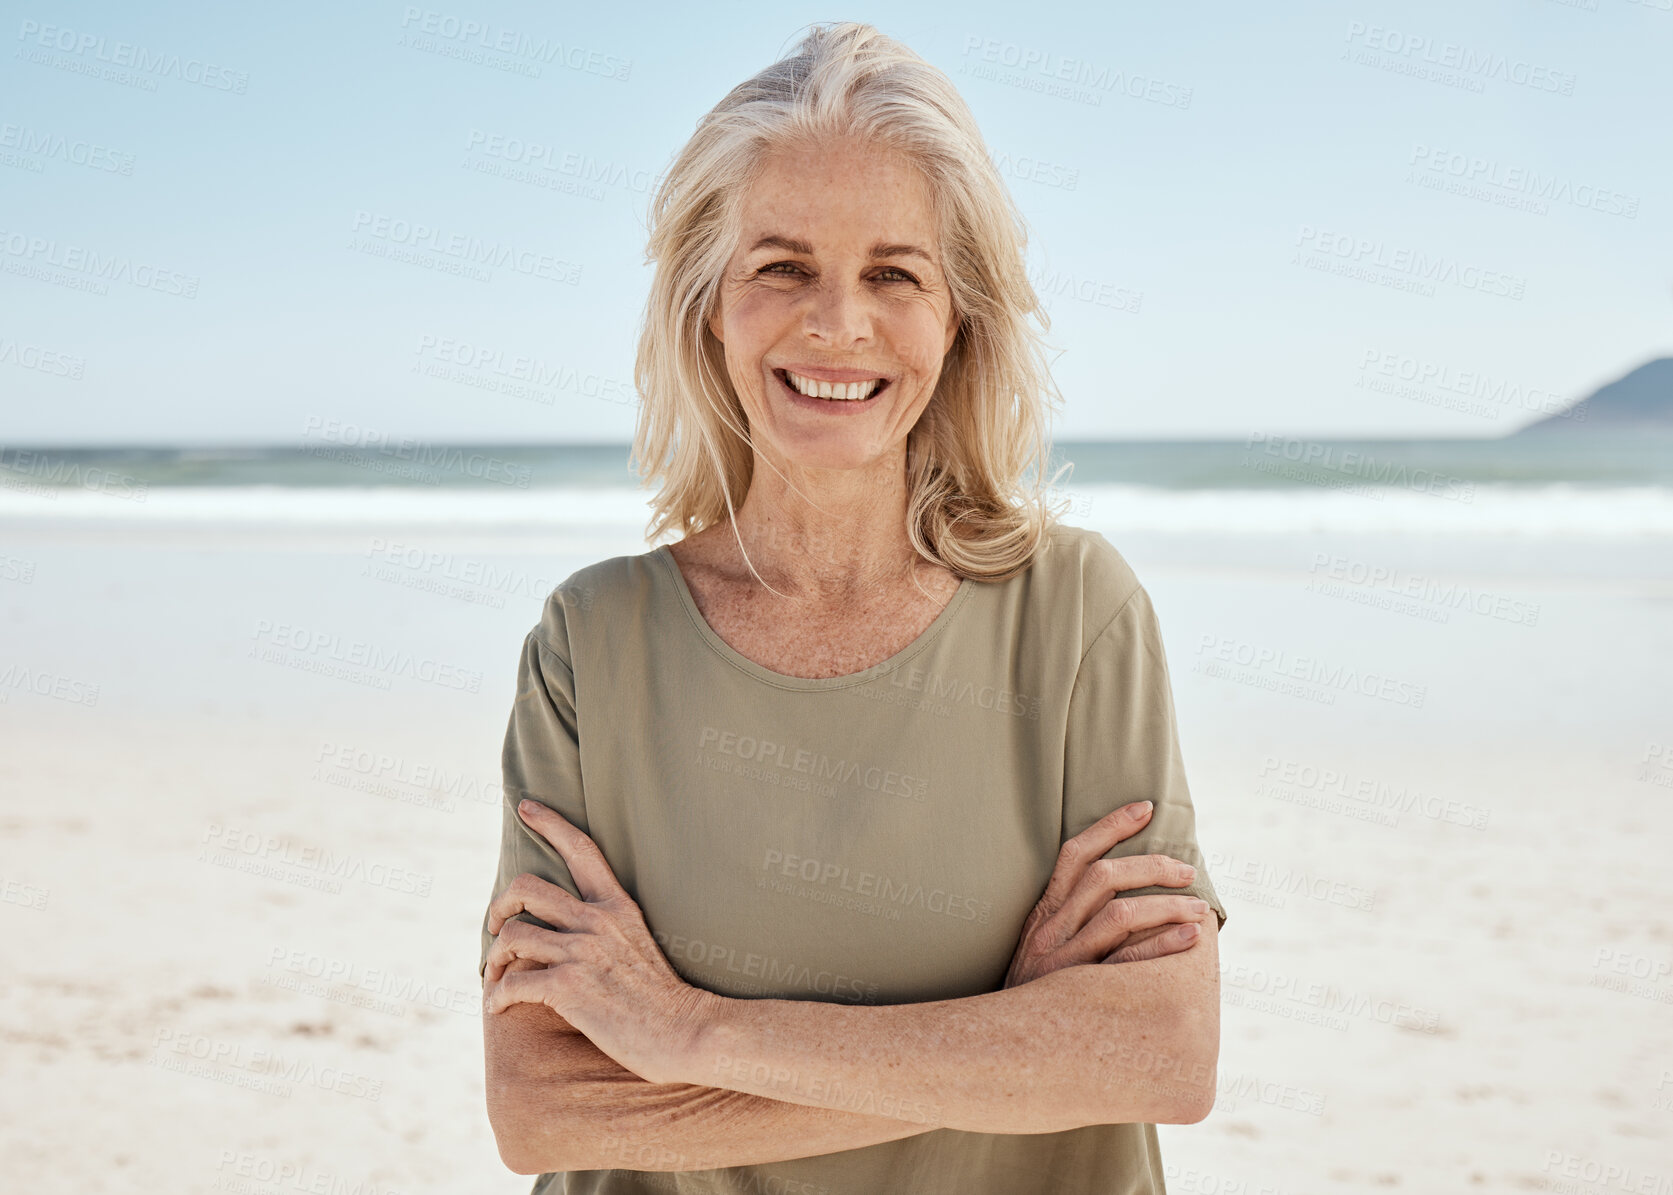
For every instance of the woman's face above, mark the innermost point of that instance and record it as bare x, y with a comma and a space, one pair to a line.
836, 280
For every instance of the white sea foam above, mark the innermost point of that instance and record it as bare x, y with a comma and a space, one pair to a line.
554, 508
1548, 509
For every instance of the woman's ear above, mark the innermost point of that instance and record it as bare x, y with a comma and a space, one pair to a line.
953, 324
714, 323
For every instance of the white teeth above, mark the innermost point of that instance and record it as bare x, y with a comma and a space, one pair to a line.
845, 392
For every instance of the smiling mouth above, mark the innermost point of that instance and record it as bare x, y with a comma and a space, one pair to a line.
854, 392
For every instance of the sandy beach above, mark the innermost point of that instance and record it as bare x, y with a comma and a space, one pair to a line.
1434, 775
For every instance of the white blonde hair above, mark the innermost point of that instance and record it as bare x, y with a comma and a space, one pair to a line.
976, 458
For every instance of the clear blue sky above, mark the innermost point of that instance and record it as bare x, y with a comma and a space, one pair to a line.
1202, 147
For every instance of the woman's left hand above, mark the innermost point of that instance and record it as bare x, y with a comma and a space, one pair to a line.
601, 969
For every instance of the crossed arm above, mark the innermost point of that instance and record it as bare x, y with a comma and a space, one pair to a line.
778, 1079
557, 1102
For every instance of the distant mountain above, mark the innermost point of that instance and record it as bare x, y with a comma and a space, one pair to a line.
1643, 399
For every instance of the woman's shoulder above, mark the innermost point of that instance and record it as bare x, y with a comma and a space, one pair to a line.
1084, 561
577, 607
1083, 583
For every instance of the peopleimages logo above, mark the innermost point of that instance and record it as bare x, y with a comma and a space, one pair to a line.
45, 469
886, 891
259, 1174
572, 164
353, 443
1309, 670
468, 249
217, 1058
348, 764
1308, 784
937, 686
1412, 593
1415, 265
20, 678
1476, 170
32, 255
315, 650
1469, 390
370, 987
152, 64
255, 853
815, 765
775, 974
72, 151
1360, 467
1072, 78
1284, 879
516, 375
1471, 64
475, 38
52, 362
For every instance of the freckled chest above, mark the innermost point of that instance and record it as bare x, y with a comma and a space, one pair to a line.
838, 639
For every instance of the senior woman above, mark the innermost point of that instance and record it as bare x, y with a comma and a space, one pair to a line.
847, 845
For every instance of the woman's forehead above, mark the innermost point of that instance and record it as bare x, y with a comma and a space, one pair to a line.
803, 202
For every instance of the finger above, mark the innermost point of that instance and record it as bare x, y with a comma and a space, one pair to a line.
1090, 844
516, 964
519, 987
586, 862
528, 893
1124, 915
525, 941
1137, 937
522, 941
1104, 878
1172, 940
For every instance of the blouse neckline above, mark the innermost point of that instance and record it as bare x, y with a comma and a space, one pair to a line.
784, 681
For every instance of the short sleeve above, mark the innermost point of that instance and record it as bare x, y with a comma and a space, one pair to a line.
541, 762
1123, 746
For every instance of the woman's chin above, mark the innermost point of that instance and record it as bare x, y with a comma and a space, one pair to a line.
825, 451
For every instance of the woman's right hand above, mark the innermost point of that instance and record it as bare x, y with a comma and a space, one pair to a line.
1081, 919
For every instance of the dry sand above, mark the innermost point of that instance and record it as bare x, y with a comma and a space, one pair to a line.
1451, 913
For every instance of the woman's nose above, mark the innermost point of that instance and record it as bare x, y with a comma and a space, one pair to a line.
838, 314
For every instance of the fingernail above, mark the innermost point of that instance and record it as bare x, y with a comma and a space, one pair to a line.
1142, 808
1188, 932
525, 807
1189, 872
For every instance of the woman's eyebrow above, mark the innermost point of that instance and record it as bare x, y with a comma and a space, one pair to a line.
796, 245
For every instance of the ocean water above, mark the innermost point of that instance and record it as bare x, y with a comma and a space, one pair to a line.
350, 458
1584, 483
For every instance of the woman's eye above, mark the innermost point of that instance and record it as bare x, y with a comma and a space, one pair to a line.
889, 274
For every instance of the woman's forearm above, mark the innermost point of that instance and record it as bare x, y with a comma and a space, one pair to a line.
1084, 1045
557, 1102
